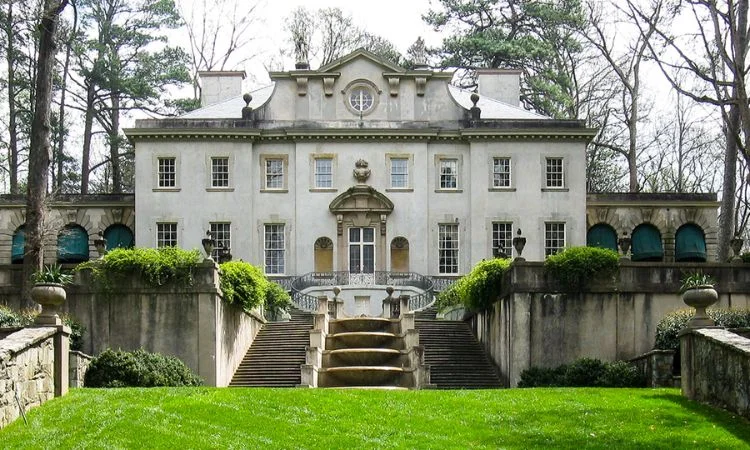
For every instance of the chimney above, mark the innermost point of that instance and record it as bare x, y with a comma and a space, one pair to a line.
219, 86
500, 84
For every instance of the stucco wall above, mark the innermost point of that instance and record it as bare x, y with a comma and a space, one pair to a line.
534, 324
716, 368
27, 367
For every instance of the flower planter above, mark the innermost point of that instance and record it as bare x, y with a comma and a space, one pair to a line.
700, 297
50, 296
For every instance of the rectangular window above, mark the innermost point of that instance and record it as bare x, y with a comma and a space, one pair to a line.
323, 172
448, 174
273, 244
448, 248
399, 173
502, 238
554, 173
166, 234
220, 172
554, 237
501, 172
274, 174
221, 232
167, 172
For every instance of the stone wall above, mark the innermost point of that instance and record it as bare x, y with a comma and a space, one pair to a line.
27, 370
78, 363
715, 368
535, 323
656, 366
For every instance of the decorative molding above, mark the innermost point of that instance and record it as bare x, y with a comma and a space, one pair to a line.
393, 84
301, 86
383, 218
421, 83
328, 85
340, 224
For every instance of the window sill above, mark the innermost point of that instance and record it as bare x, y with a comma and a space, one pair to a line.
562, 189
323, 190
399, 190
502, 189
449, 191
219, 189
275, 191
166, 189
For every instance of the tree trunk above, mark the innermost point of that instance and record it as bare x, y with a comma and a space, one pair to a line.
114, 145
39, 152
60, 151
87, 130
726, 218
12, 89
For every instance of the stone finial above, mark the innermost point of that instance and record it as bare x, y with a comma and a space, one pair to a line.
475, 111
301, 53
361, 172
418, 53
247, 110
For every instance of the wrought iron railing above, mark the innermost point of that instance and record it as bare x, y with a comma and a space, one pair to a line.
441, 283
378, 278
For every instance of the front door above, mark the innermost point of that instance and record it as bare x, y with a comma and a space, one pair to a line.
362, 250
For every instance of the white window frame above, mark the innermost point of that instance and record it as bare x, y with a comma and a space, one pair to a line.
402, 172
360, 246
160, 231
317, 173
493, 172
443, 269
551, 241
277, 269
547, 174
212, 174
506, 236
264, 160
439, 162
361, 86
389, 158
157, 161
223, 238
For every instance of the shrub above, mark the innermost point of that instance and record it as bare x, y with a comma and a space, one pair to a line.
10, 318
156, 266
478, 289
138, 368
277, 297
449, 297
668, 328
574, 267
243, 284
584, 372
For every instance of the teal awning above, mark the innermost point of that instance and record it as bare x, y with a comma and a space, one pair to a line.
647, 244
118, 236
690, 244
73, 245
602, 236
17, 247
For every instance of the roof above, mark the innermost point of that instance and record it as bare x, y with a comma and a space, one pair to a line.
231, 108
491, 108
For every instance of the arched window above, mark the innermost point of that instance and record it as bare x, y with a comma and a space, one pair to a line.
118, 236
399, 254
603, 236
690, 244
17, 247
324, 255
647, 244
72, 244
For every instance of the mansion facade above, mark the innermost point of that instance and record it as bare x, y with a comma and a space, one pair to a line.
365, 166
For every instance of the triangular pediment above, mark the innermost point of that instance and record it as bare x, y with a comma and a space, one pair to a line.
361, 198
335, 65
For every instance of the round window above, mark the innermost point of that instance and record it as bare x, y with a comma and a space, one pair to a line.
361, 99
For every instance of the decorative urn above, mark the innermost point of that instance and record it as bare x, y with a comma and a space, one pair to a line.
698, 292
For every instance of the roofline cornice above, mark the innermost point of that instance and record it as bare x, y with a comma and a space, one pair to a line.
357, 134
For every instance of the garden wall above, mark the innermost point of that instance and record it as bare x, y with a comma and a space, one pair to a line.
716, 368
28, 369
190, 322
536, 324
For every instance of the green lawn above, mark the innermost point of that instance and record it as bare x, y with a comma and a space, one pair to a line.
347, 419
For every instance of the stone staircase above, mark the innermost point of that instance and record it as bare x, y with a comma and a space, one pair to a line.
455, 357
277, 352
426, 314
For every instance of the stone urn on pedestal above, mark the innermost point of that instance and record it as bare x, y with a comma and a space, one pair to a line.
698, 292
49, 292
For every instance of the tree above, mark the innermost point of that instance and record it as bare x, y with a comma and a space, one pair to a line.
39, 152
708, 66
124, 66
538, 38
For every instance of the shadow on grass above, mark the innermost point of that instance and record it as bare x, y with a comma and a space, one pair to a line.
727, 420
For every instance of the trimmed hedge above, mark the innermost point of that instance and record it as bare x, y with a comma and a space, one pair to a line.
10, 318
584, 372
478, 289
246, 286
139, 368
575, 267
669, 327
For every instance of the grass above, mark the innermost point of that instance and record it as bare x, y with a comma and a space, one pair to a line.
348, 419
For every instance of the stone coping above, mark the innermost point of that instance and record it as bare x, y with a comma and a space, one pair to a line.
655, 351
20, 340
725, 338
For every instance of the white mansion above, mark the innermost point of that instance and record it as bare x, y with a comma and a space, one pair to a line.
364, 166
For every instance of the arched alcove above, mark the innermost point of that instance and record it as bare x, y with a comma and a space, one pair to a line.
324, 255
72, 244
118, 236
690, 244
399, 254
647, 243
603, 236
17, 246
